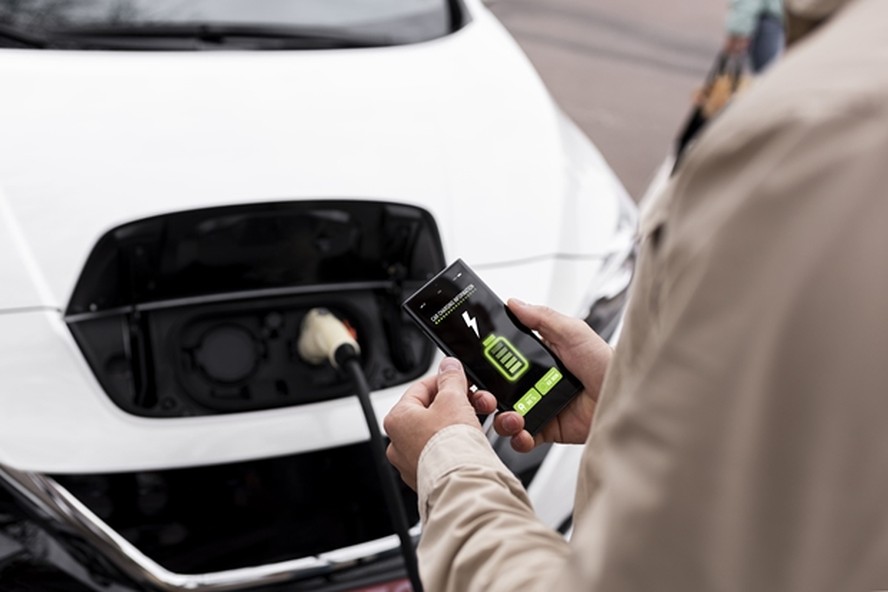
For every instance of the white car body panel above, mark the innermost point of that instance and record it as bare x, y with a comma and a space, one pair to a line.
96, 139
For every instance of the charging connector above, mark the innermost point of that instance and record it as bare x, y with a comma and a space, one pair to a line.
326, 338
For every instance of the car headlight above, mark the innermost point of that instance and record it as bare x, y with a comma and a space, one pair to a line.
609, 291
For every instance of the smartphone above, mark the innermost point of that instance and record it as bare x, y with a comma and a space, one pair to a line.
464, 317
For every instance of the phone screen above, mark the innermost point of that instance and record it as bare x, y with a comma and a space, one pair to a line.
469, 322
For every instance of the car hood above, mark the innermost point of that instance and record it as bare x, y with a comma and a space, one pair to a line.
461, 126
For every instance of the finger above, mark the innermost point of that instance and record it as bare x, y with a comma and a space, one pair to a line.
397, 461
421, 392
395, 457
508, 424
451, 384
523, 442
483, 402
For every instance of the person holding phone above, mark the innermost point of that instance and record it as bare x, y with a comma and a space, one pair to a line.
467, 320
735, 438
755, 29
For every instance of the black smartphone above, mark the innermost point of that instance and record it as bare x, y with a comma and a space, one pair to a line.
468, 321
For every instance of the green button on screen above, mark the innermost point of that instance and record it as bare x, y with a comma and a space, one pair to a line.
545, 384
526, 403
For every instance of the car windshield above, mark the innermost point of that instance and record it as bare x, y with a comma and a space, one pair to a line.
211, 24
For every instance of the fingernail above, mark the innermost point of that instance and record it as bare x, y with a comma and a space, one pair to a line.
517, 302
511, 423
449, 364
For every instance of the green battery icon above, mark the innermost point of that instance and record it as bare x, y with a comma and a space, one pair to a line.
505, 357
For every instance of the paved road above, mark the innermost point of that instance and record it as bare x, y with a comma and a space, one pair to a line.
623, 69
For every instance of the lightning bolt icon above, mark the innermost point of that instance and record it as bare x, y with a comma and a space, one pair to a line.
471, 322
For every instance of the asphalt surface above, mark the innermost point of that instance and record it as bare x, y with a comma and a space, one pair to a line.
624, 70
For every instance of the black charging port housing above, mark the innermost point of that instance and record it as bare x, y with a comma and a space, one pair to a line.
198, 312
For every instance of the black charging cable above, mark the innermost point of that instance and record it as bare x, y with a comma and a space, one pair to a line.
326, 338
386, 475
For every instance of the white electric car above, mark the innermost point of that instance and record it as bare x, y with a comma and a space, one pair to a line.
180, 181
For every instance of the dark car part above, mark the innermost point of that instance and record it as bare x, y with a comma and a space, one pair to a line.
154, 25
198, 312
223, 517
388, 481
606, 312
237, 526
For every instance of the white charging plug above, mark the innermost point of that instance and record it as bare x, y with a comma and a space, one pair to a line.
322, 336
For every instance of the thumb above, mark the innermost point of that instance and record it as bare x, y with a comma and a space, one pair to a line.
452, 384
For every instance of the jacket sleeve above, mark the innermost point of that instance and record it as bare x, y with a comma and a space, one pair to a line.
479, 529
742, 16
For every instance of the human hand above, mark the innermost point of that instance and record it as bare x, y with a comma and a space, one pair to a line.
736, 44
427, 407
584, 353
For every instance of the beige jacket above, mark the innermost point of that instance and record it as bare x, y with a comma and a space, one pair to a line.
741, 441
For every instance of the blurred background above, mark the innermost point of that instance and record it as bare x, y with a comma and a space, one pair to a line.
624, 70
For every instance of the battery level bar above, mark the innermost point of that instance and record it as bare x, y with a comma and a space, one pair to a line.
505, 357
